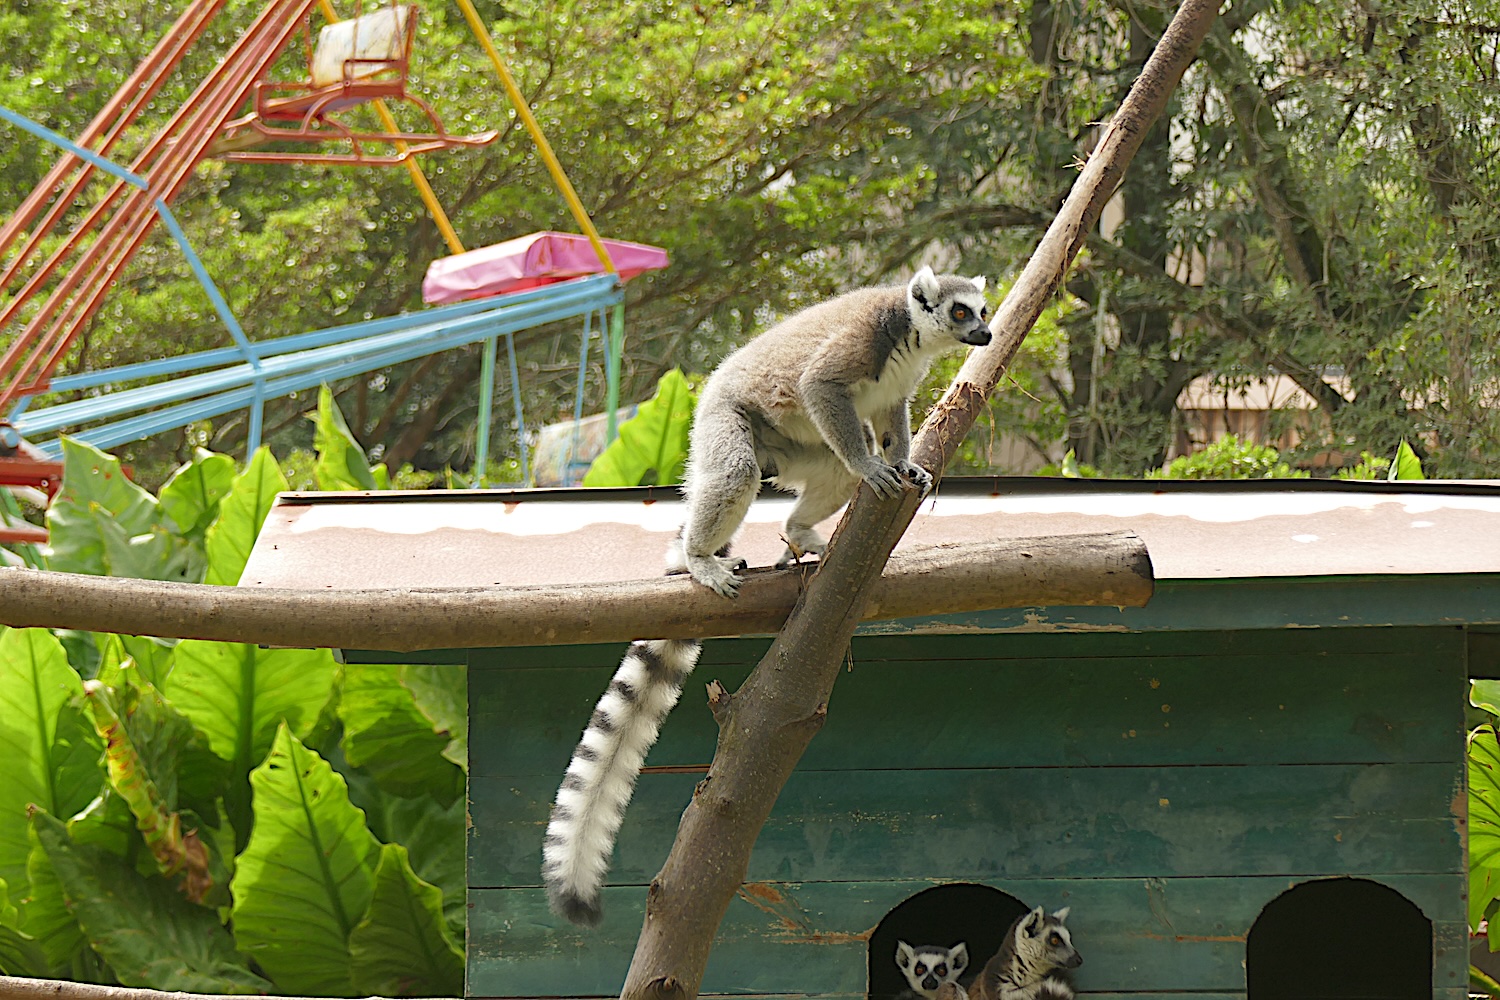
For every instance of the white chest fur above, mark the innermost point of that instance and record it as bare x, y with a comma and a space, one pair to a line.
897, 381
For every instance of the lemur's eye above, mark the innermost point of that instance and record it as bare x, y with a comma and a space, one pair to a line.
1055, 941
941, 970
921, 969
984, 313
960, 313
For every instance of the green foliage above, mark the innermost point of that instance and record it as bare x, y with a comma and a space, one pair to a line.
341, 461
307, 875
103, 524
1070, 468
652, 447
1229, 458
1484, 829
148, 933
228, 541
387, 735
190, 831
1406, 464
37, 692
1369, 467
404, 937
20, 955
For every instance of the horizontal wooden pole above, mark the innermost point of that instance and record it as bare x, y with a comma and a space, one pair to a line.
1065, 570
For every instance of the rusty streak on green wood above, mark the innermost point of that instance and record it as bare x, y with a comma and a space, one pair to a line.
1352, 737
1135, 934
1036, 822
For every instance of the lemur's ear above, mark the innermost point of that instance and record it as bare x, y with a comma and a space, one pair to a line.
979, 281
1062, 914
924, 286
1033, 924
904, 954
958, 955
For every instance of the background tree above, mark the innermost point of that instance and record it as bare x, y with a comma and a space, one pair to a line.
1319, 203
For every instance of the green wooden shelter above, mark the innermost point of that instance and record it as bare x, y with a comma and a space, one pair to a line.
1254, 785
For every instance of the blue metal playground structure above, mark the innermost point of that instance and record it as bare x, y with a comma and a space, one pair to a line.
135, 401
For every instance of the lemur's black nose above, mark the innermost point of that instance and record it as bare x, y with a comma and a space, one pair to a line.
977, 337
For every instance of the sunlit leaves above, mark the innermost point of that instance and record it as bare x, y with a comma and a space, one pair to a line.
308, 874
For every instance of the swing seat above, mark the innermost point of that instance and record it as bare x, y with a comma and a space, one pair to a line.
528, 261
363, 59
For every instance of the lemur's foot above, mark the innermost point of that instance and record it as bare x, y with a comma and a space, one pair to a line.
914, 474
800, 541
717, 573
793, 557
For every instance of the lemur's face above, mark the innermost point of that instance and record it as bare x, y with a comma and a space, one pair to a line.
928, 967
949, 309
1045, 936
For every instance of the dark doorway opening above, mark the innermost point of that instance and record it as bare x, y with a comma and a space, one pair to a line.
943, 915
1340, 939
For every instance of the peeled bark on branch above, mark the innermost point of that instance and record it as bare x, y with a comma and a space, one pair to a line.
769, 722
1110, 569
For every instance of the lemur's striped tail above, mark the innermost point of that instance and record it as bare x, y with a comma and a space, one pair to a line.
601, 776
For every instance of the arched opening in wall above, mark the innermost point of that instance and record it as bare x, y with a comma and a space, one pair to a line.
1340, 939
943, 916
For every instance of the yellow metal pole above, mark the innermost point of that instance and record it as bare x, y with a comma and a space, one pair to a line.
542, 145
424, 189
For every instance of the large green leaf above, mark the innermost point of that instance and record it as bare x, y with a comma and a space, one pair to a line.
237, 695
1484, 887
103, 524
44, 912
341, 461
1484, 823
146, 742
241, 514
441, 692
435, 846
307, 876
191, 497
148, 933
36, 685
652, 446
387, 735
151, 658
402, 947
20, 954
1484, 798
1406, 464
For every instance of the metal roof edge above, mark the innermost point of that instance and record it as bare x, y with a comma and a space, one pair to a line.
952, 486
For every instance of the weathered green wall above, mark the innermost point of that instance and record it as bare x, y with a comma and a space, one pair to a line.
1165, 785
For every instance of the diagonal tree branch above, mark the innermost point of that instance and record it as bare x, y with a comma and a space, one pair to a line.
768, 724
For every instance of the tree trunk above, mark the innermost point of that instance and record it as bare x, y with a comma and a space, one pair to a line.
766, 726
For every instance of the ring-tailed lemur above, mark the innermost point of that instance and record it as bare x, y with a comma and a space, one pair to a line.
805, 403
927, 967
1031, 962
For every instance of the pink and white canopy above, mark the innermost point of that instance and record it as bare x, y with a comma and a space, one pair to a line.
529, 261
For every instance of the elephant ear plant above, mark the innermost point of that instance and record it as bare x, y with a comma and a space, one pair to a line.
215, 817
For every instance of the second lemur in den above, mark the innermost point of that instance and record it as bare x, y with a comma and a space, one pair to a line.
928, 967
1032, 963
818, 403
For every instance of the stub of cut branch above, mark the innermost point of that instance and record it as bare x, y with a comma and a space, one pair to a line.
1108, 569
